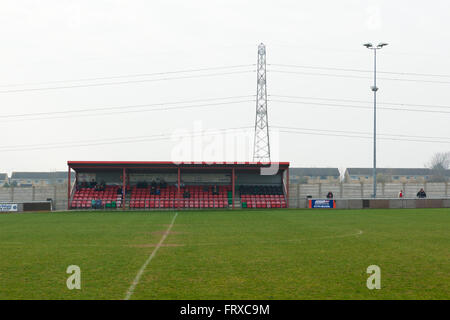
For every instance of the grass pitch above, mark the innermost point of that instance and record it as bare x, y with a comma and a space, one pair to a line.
242, 254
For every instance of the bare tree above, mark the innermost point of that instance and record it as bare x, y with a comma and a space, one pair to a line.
440, 167
382, 178
303, 180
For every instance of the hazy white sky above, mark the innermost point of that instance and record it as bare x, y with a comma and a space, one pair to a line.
46, 42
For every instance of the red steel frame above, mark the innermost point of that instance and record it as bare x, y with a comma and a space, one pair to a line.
121, 163
178, 187
233, 173
69, 189
124, 188
286, 172
287, 187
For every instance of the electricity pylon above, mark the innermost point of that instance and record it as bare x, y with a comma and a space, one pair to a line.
261, 148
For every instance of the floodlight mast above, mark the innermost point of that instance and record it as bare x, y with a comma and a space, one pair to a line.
374, 88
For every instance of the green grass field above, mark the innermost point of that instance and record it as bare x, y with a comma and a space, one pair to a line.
242, 254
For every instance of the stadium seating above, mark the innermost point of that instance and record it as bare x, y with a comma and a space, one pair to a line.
252, 196
256, 196
83, 198
199, 197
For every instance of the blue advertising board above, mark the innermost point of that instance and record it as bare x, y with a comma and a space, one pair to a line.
322, 204
8, 207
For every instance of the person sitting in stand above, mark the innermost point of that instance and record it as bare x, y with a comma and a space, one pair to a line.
400, 194
182, 185
142, 184
330, 195
119, 190
421, 193
93, 183
215, 190
158, 191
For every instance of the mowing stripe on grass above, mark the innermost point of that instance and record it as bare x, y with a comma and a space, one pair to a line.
240, 243
152, 255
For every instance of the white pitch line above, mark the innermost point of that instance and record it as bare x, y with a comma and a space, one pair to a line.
152, 255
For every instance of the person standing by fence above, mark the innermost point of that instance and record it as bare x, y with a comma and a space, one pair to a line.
421, 193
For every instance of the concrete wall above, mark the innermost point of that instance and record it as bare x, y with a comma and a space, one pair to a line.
352, 190
58, 193
382, 203
349, 191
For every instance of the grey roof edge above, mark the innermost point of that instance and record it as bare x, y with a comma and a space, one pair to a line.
323, 171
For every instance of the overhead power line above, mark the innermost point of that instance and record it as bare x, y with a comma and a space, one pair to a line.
362, 101
162, 108
395, 135
333, 133
180, 105
356, 77
125, 82
166, 136
361, 70
82, 110
127, 76
119, 140
358, 107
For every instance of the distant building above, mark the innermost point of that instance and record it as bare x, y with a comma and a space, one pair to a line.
35, 179
3, 179
314, 175
388, 175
